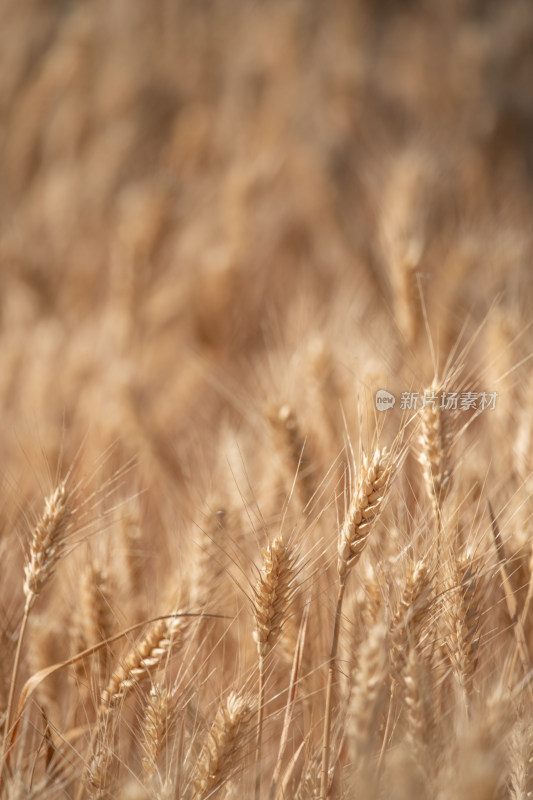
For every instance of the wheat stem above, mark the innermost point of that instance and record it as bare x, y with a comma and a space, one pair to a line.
365, 504
260, 719
45, 550
324, 773
272, 596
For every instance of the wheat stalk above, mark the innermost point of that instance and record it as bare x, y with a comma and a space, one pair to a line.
46, 547
365, 504
406, 628
272, 596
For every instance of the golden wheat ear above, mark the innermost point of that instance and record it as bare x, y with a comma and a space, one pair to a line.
98, 776
520, 749
411, 612
46, 548
223, 749
462, 620
369, 682
273, 593
365, 505
212, 559
293, 446
164, 638
417, 695
159, 723
272, 596
95, 621
366, 502
47, 544
130, 559
435, 449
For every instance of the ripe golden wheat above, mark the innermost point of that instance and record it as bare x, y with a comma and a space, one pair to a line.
224, 227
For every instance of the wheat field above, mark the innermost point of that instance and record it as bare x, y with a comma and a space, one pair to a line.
266, 399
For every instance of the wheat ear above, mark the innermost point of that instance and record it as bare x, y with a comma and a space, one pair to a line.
419, 711
160, 717
95, 620
97, 776
405, 629
368, 684
211, 562
410, 612
292, 443
434, 456
405, 263
223, 746
521, 760
463, 622
365, 504
130, 540
272, 596
46, 547
144, 658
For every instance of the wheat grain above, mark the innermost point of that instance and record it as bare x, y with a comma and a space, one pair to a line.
365, 505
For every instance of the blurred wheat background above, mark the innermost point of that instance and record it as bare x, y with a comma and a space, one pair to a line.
223, 227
